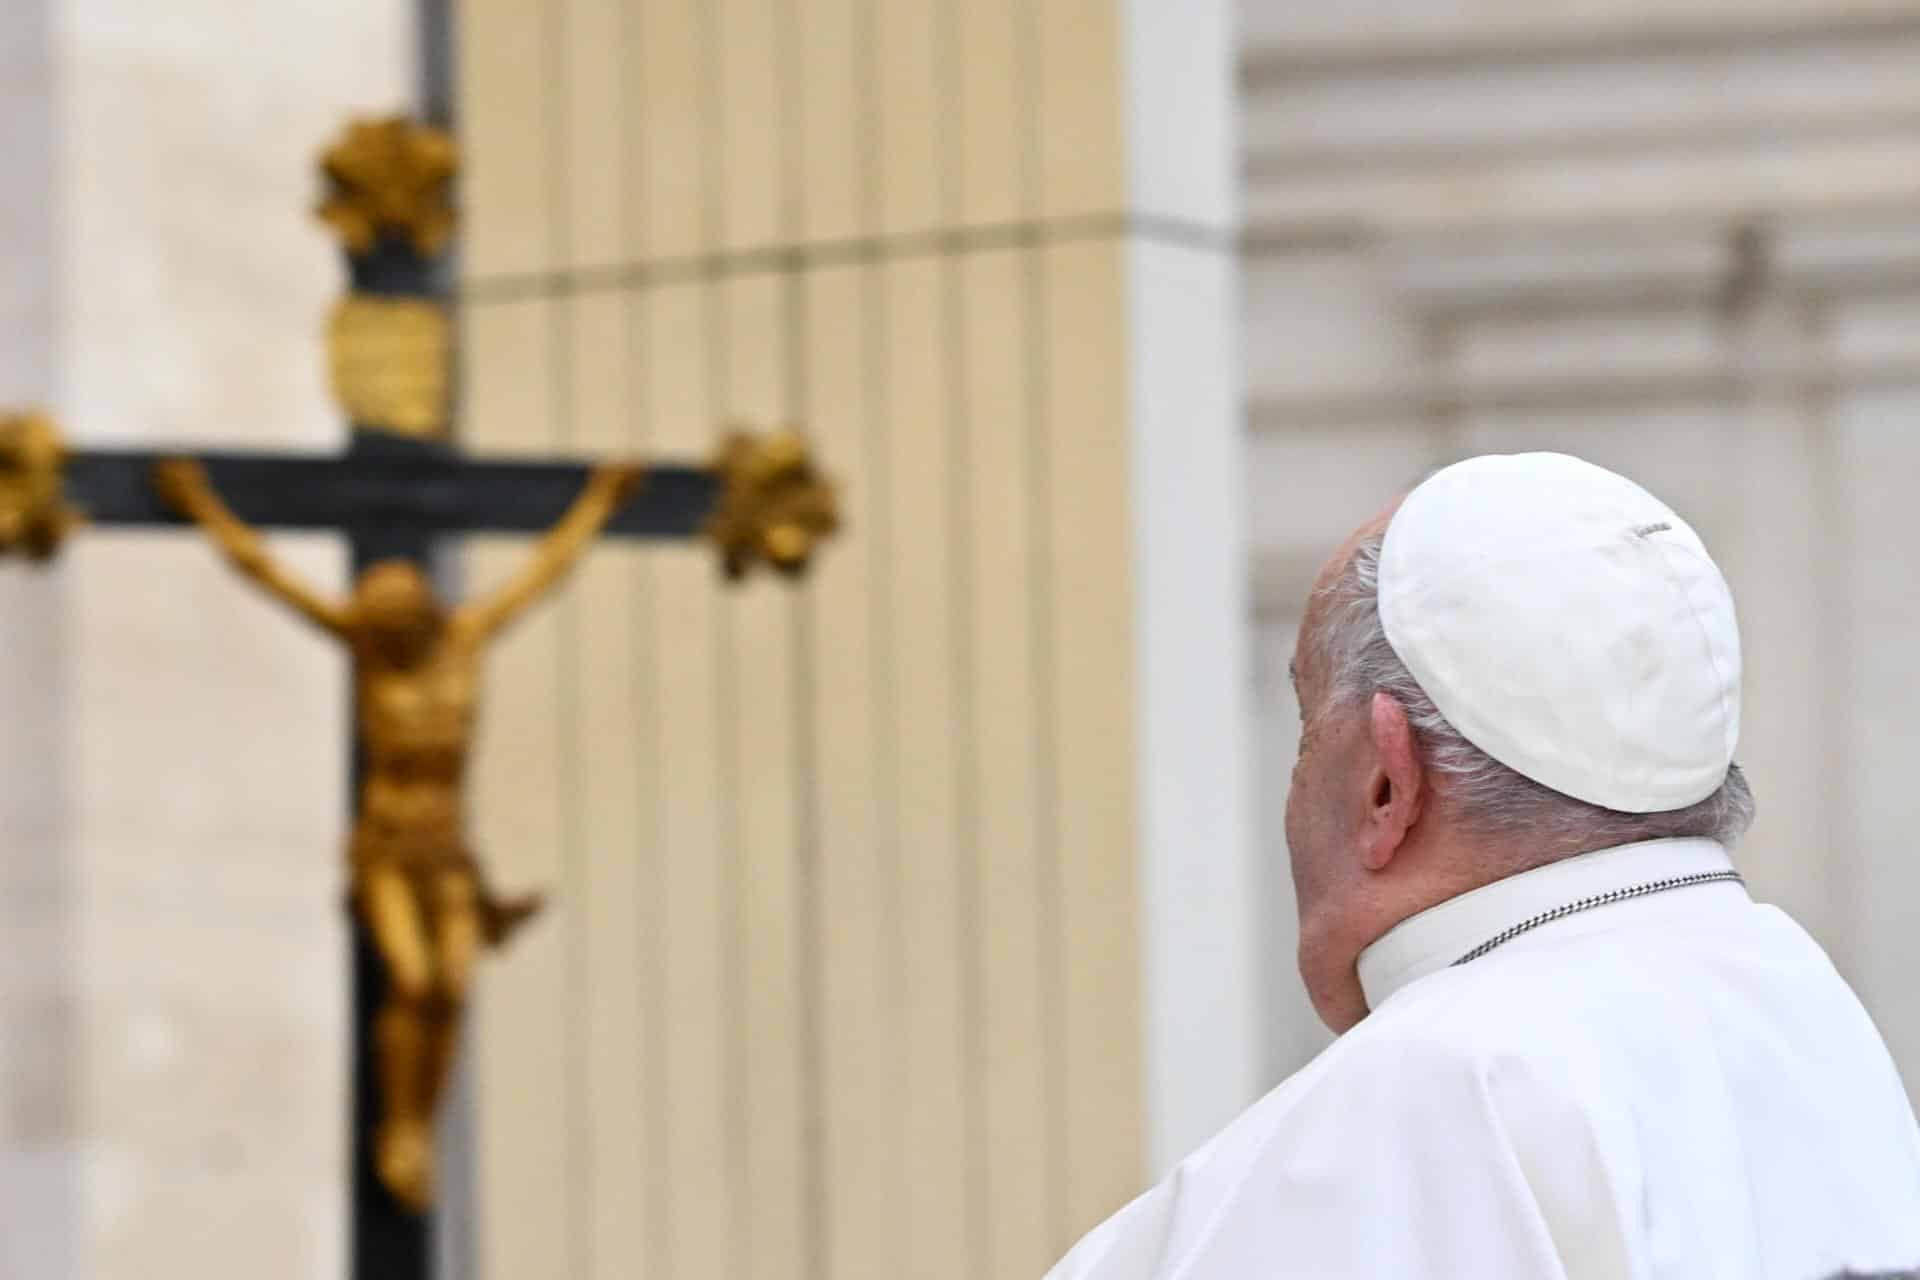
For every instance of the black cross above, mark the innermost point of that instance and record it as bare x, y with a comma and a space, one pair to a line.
394, 496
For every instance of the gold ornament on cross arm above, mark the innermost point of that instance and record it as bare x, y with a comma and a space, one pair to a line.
34, 517
774, 506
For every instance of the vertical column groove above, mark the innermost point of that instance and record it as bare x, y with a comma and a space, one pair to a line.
575, 874
961, 571
885, 595
1047, 871
726, 695
815, 1220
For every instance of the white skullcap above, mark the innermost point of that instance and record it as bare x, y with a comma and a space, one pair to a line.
1570, 625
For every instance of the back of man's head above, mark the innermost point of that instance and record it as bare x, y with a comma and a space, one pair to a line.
1526, 658
1493, 801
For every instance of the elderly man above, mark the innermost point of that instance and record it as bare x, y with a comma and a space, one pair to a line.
1571, 1044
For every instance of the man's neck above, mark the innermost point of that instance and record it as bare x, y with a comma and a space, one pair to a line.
1435, 864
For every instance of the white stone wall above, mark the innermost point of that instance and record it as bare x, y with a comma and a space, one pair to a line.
1679, 240
172, 998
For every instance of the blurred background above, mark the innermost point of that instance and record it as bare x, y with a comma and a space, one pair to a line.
907, 921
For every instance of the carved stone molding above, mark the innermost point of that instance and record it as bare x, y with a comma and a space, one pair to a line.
1555, 121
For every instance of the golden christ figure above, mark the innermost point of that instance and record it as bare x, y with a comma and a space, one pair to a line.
415, 881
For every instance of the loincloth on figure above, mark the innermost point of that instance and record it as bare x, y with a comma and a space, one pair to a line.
439, 872
421, 858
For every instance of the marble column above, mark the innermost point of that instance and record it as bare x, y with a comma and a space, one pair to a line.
172, 757
39, 1145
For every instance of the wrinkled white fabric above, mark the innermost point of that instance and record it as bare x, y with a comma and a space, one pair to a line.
1676, 1087
1570, 625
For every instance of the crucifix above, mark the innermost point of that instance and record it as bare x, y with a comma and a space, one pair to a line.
421, 905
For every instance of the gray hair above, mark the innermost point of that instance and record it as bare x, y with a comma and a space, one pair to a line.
1486, 796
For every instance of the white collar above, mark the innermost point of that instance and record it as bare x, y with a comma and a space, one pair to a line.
1435, 938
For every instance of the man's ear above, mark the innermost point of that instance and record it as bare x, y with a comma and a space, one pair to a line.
1396, 783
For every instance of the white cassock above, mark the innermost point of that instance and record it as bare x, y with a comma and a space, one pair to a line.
1672, 1085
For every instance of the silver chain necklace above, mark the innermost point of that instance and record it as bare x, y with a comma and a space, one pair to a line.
1597, 900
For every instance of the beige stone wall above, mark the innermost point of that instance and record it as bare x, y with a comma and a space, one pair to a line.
842, 975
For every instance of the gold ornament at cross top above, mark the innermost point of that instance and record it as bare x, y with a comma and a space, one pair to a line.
390, 177
33, 516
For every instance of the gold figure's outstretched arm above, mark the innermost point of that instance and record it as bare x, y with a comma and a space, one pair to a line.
607, 489
183, 483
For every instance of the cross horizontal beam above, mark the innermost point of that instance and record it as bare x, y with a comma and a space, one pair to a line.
419, 491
